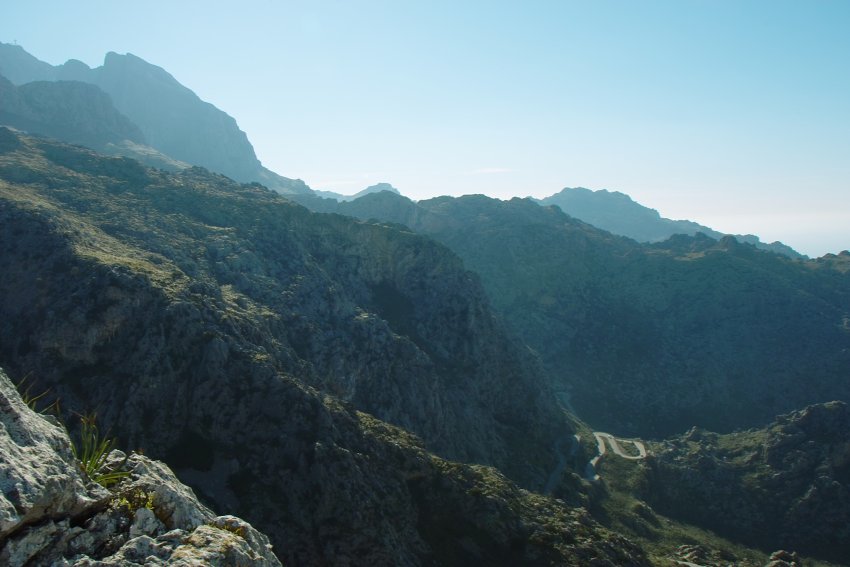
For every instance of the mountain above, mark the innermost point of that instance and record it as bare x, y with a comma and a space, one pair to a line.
647, 339
377, 188
261, 350
619, 214
79, 113
69, 110
172, 118
787, 484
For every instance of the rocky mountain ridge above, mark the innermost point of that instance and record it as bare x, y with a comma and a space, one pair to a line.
69, 110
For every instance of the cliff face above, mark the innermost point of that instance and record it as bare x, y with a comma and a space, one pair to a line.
647, 339
236, 335
787, 484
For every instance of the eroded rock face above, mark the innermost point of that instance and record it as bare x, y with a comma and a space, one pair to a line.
50, 514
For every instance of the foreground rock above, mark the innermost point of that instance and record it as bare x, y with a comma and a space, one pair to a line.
51, 515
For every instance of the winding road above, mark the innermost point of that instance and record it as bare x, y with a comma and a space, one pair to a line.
603, 440
615, 446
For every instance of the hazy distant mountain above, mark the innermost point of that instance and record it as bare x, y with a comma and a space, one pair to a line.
617, 213
76, 112
79, 113
172, 118
377, 188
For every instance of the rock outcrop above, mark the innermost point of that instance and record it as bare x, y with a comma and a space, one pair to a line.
51, 514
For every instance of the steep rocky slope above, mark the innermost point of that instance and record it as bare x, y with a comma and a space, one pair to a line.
52, 514
784, 485
237, 336
172, 118
647, 339
619, 214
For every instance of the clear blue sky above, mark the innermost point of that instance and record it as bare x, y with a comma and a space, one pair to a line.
735, 114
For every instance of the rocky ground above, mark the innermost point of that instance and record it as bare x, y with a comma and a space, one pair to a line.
51, 513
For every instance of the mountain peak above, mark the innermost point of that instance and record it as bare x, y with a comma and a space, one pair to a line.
619, 214
376, 188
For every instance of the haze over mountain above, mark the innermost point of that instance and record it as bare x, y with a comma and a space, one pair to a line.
400, 389
192, 131
619, 214
172, 118
747, 135
377, 188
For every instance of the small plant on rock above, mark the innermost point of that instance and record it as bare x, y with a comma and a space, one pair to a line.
33, 401
93, 453
134, 500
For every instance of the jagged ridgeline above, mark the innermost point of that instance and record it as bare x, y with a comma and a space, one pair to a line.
648, 339
240, 338
128, 107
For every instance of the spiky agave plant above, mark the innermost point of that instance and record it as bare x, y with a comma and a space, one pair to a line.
93, 453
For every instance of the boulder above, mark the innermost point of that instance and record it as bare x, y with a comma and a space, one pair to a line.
52, 514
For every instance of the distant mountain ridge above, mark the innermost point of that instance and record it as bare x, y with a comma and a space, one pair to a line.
377, 188
617, 213
172, 118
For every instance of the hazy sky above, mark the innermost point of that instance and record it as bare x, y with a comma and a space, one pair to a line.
734, 114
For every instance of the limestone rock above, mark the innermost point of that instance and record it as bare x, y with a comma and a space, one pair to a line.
51, 515
38, 478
